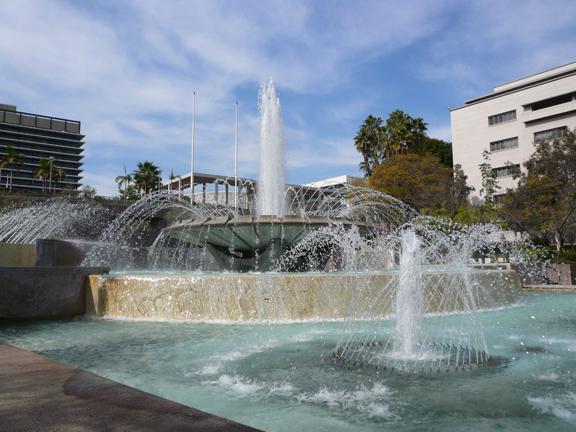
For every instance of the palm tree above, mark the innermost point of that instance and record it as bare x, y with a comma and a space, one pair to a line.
10, 159
58, 174
147, 177
43, 171
367, 142
123, 182
14, 161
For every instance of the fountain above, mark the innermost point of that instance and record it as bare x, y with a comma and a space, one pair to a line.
271, 182
239, 240
299, 253
408, 294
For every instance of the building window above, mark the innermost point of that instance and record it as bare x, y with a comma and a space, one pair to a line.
504, 144
557, 100
549, 134
502, 118
506, 171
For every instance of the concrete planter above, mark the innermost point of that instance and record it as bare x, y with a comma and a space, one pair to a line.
562, 274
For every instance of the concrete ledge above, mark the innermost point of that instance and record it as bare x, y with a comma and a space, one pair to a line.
39, 394
571, 288
17, 255
43, 292
277, 296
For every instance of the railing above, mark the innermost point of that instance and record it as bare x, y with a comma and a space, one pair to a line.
39, 121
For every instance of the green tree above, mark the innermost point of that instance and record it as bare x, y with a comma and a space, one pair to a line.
489, 181
58, 174
123, 182
544, 203
11, 160
43, 171
147, 177
420, 181
402, 134
367, 142
459, 191
436, 147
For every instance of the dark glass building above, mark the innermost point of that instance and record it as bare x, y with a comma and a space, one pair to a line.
35, 137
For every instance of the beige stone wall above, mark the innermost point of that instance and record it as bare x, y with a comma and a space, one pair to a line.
17, 255
279, 297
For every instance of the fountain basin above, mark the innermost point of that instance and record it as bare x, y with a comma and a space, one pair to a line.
252, 243
277, 296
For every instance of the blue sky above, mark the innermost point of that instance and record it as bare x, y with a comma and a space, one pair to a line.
127, 70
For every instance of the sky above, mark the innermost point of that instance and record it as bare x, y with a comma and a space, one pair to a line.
127, 70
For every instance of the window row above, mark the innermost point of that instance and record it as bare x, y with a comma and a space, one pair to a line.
502, 117
504, 144
550, 102
549, 134
506, 171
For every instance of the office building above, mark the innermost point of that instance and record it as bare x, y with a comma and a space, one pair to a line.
35, 137
509, 120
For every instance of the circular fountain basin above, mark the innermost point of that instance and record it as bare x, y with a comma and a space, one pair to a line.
279, 296
244, 243
245, 233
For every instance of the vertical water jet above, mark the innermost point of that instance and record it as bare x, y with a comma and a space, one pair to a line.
271, 180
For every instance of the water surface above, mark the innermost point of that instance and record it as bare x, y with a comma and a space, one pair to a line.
281, 377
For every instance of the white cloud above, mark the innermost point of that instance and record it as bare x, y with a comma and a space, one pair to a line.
127, 69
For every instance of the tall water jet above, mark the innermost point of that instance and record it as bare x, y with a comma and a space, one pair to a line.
271, 181
408, 304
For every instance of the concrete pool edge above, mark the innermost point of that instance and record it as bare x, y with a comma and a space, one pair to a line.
277, 297
38, 393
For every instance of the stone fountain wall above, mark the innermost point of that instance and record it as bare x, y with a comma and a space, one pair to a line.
274, 297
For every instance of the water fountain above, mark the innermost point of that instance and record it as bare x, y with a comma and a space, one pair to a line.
409, 294
303, 253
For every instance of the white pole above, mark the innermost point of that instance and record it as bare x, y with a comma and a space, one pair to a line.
193, 145
236, 162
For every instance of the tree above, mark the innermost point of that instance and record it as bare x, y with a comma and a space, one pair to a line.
489, 182
459, 191
437, 147
12, 160
43, 171
58, 174
377, 142
403, 134
545, 199
420, 181
367, 142
123, 182
147, 177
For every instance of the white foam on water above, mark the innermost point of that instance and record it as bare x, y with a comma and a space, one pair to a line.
245, 387
210, 369
379, 410
371, 400
283, 388
237, 384
563, 407
548, 376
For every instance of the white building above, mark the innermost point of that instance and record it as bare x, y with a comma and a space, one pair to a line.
507, 121
334, 181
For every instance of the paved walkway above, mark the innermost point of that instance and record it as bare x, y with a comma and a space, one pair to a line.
39, 394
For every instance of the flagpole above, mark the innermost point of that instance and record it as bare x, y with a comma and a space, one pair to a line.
193, 145
236, 162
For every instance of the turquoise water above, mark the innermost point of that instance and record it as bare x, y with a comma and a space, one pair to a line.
281, 377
